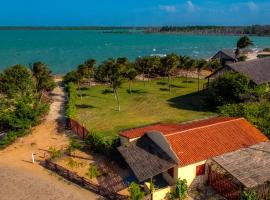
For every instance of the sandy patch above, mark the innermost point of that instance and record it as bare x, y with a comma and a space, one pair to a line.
22, 180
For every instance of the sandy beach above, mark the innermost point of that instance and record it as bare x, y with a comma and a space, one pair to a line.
20, 179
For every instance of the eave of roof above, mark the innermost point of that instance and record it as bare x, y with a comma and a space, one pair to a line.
146, 158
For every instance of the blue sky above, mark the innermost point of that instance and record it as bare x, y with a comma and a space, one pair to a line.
134, 12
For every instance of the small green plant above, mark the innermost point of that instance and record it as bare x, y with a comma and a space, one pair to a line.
249, 195
135, 192
181, 189
73, 145
54, 153
73, 163
93, 171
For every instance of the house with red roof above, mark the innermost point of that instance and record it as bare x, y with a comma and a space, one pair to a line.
183, 151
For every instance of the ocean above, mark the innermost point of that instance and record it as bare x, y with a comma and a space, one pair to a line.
63, 50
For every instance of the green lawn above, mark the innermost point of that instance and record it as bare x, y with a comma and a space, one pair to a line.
148, 104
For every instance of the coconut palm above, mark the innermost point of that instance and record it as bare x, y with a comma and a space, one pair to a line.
169, 64
243, 43
130, 74
90, 69
200, 65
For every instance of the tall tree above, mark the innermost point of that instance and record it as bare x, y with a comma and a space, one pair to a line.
90, 69
113, 70
201, 64
141, 64
170, 63
81, 74
243, 43
16, 81
130, 74
43, 78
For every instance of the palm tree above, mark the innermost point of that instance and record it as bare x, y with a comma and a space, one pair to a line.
90, 67
169, 64
130, 74
141, 64
201, 64
243, 43
81, 73
113, 71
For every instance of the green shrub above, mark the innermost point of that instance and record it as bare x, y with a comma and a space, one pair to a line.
93, 171
249, 195
181, 189
73, 145
227, 88
55, 153
242, 58
135, 192
73, 163
72, 96
266, 49
104, 145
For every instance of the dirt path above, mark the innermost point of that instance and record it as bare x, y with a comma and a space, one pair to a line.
22, 180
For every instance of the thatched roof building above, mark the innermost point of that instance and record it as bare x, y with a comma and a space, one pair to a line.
257, 70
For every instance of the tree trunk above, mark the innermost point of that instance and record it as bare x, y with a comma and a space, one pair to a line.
129, 86
169, 82
143, 79
199, 80
117, 98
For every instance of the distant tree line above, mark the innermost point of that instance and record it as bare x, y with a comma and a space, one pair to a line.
22, 99
260, 30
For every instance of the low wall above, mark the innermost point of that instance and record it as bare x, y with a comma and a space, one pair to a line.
81, 181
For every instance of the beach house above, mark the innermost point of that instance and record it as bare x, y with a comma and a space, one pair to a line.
257, 70
192, 151
225, 56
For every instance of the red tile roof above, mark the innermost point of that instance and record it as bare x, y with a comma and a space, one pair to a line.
171, 128
201, 140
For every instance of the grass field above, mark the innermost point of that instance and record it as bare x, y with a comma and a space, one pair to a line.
148, 104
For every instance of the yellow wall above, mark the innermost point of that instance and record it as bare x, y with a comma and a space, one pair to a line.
189, 172
158, 194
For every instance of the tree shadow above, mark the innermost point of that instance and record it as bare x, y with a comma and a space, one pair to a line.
161, 83
193, 101
136, 92
164, 89
85, 106
188, 81
176, 86
83, 89
107, 91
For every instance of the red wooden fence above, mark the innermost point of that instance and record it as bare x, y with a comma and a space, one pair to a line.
77, 128
225, 187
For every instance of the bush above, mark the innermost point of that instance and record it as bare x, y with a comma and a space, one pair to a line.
249, 195
266, 49
242, 58
72, 96
227, 88
181, 189
99, 144
135, 192
55, 153
93, 171
70, 77
73, 145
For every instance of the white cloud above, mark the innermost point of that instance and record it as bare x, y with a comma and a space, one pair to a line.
167, 8
191, 7
252, 6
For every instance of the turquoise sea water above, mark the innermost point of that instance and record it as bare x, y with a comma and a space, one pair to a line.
64, 50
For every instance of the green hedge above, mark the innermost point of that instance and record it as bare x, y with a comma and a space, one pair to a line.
72, 96
26, 113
